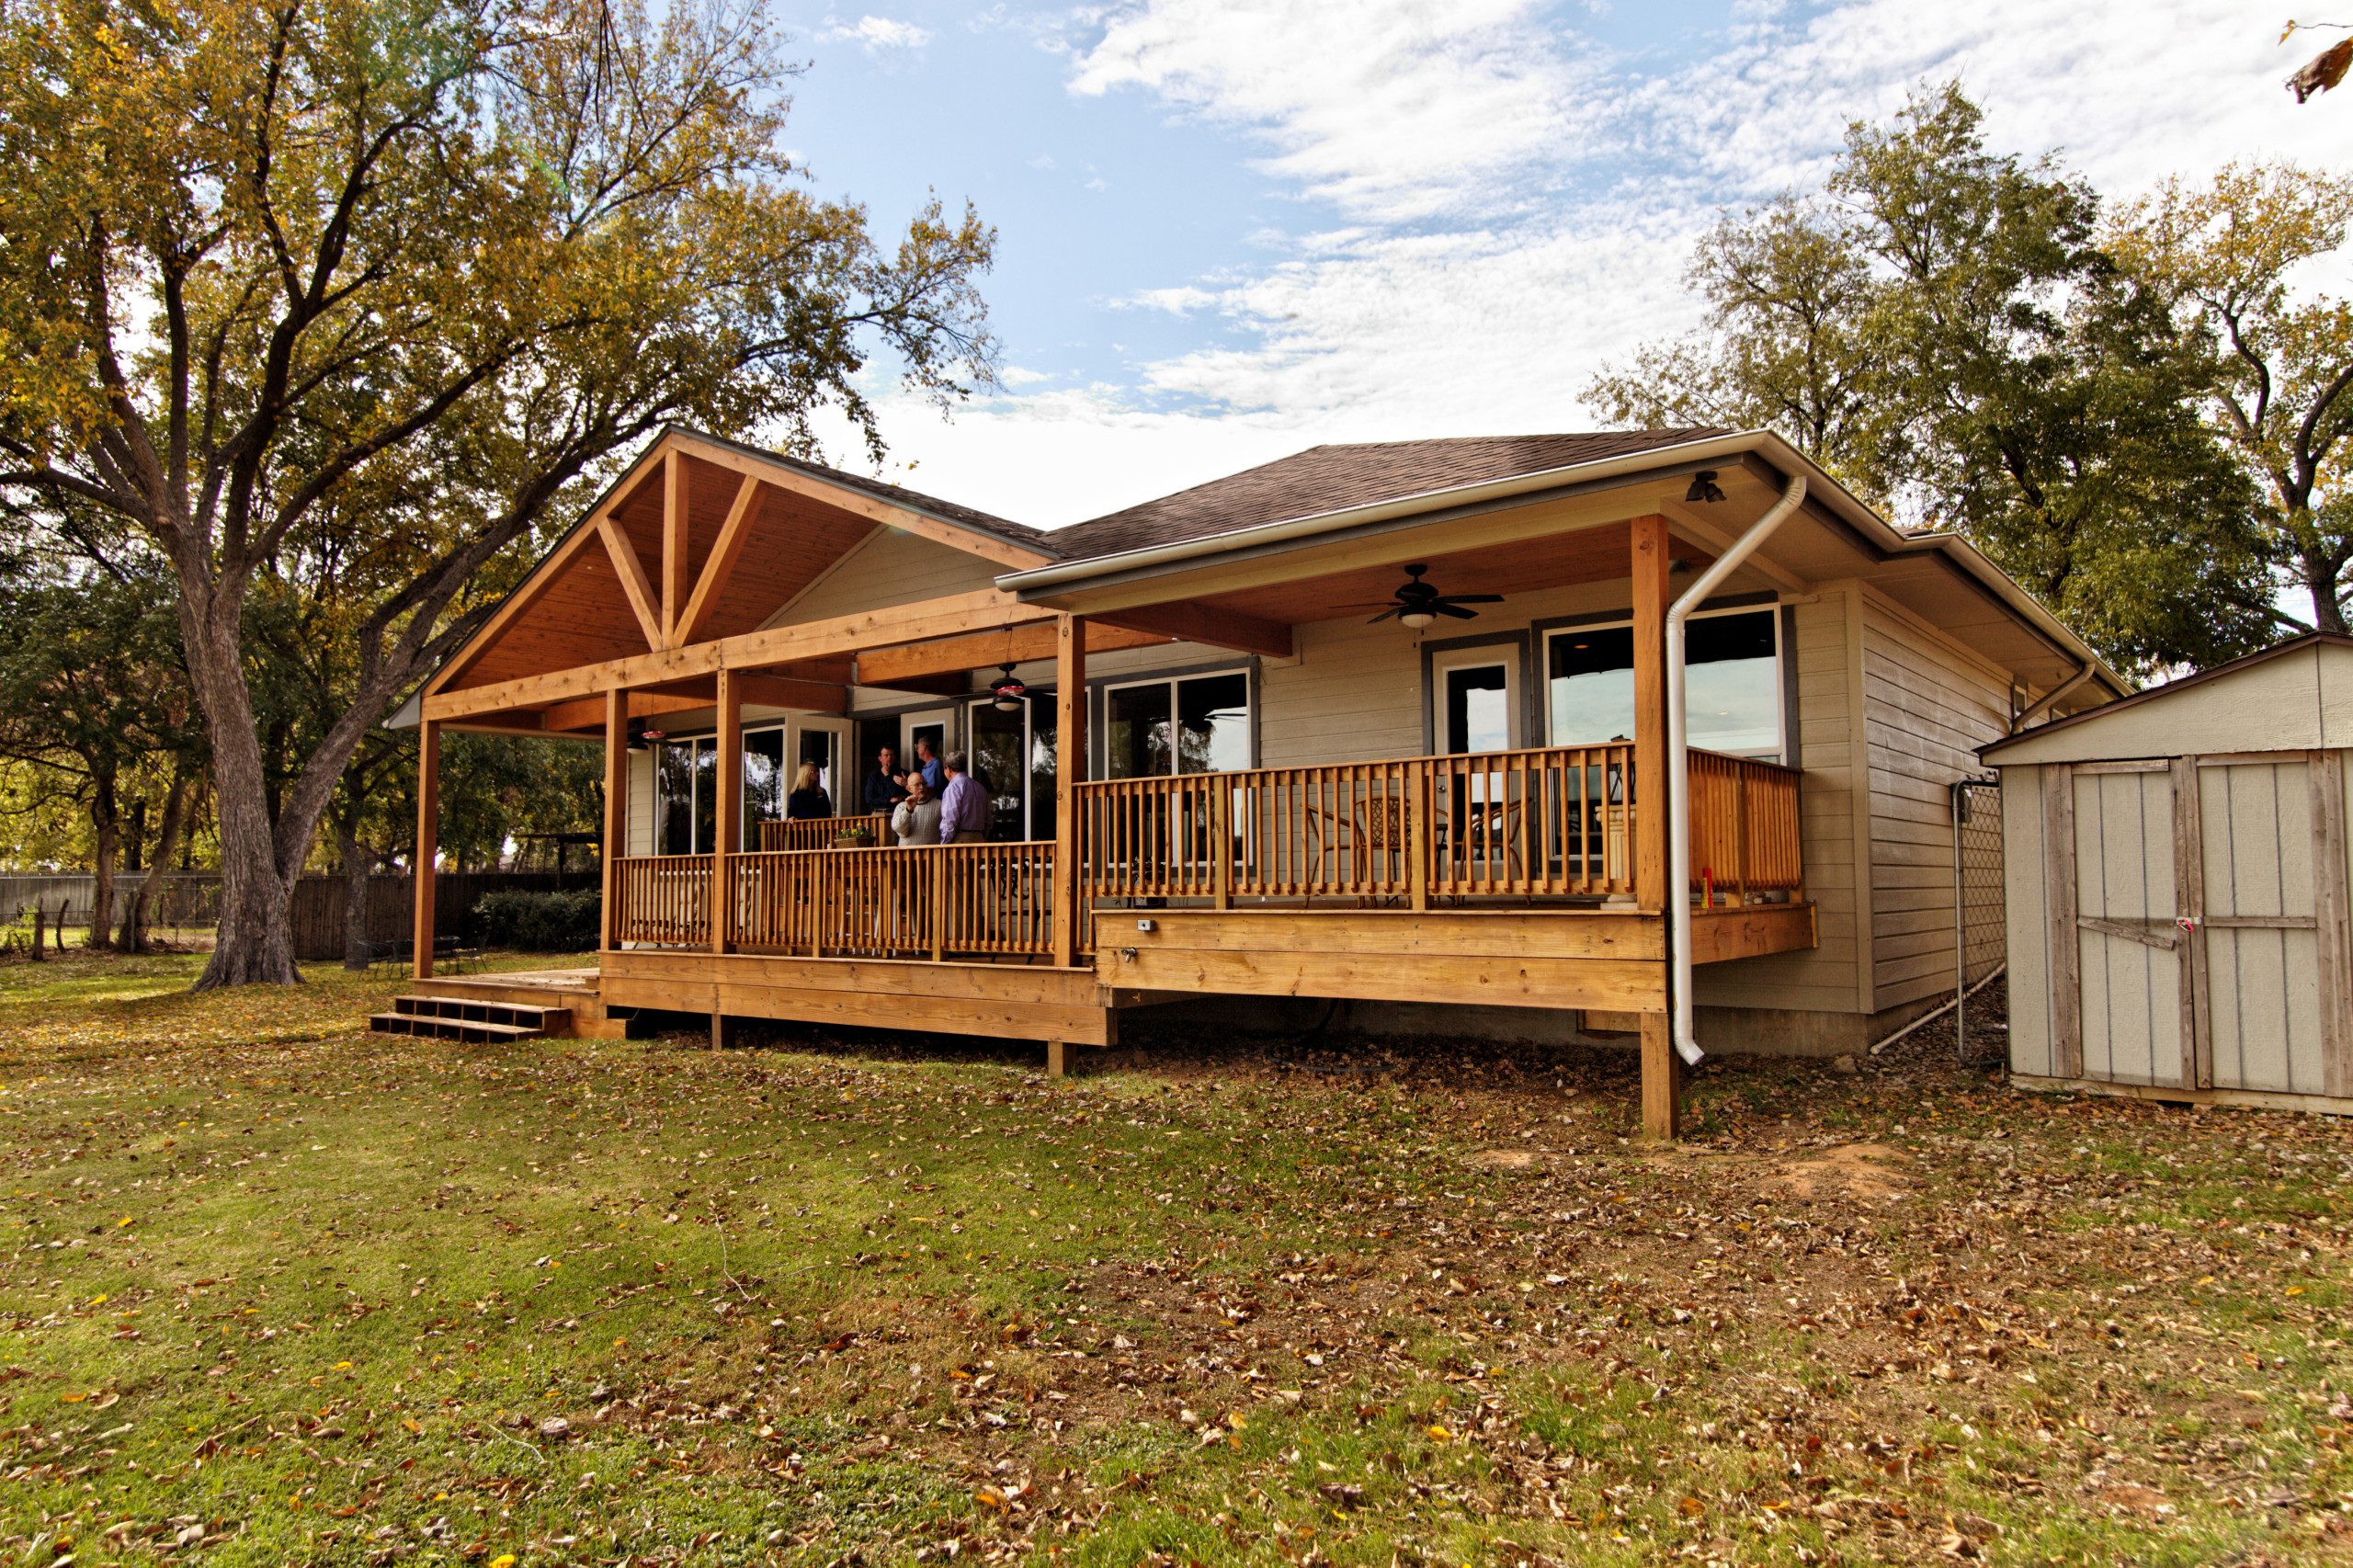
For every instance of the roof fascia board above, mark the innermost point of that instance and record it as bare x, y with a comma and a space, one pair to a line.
2313, 640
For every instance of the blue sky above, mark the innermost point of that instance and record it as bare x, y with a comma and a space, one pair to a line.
1229, 232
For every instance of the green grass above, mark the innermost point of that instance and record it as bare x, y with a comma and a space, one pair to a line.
301, 1294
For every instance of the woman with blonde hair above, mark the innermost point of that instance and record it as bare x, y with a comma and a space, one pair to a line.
808, 799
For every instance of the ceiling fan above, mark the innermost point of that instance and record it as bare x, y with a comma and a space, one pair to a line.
1417, 603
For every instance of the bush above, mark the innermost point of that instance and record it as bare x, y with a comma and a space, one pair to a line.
540, 922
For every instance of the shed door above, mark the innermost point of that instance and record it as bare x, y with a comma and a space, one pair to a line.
2273, 858
2127, 943
2199, 935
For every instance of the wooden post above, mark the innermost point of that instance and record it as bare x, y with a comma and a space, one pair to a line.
1070, 771
1418, 801
1662, 1088
728, 822
616, 844
429, 836
1649, 793
676, 584
1662, 1079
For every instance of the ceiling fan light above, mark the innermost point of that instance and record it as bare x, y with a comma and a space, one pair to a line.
1416, 618
1007, 692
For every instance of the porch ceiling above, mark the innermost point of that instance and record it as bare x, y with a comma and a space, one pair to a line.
1594, 554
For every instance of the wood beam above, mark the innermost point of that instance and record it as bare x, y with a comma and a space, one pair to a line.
633, 582
429, 844
732, 536
863, 504
1213, 624
615, 842
675, 584
1662, 1079
1070, 771
681, 696
955, 615
1021, 645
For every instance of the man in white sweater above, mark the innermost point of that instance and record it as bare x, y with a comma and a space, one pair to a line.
916, 819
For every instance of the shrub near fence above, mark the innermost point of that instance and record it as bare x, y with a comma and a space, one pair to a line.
316, 915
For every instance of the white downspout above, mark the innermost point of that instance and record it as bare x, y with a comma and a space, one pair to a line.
1678, 758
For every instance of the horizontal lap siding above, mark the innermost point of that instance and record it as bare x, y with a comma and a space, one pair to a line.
1825, 978
1928, 704
888, 568
1351, 693
640, 802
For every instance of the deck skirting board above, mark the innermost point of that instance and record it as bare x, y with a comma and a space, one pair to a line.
1015, 1002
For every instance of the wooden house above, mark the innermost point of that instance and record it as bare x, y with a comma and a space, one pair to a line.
2178, 888
1238, 760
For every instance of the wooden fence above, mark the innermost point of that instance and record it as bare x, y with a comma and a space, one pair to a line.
316, 916
819, 833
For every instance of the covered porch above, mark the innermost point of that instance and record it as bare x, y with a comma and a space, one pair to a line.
1532, 876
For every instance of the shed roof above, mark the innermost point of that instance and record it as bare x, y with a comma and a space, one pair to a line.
2295, 696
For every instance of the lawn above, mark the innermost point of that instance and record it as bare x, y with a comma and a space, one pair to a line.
278, 1292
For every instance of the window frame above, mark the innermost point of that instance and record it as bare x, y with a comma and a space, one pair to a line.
1098, 702
1784, 696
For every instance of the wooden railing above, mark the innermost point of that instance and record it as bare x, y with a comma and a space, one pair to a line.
1743, 826
928, 903
819, 833
666, 899
1554, 822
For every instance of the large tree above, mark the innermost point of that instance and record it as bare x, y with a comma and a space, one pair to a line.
1941, 329
2234, 254
401, 278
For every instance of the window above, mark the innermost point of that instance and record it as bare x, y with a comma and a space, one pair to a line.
686, 786
1013, 759
1194, 725
1732, 687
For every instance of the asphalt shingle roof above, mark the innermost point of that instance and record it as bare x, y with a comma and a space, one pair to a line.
1327, 479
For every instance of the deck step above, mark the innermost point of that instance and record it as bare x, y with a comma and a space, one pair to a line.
450, 1018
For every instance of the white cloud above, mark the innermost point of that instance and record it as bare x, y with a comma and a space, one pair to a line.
876, 33
1015, 375
1176, 301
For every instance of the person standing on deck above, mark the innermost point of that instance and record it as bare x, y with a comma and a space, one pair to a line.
928, 766
964, 808
917, 820
886, 786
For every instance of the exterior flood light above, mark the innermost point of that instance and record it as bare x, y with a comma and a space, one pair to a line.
1008, 691
1703, 487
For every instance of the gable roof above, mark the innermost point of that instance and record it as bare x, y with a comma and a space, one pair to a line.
2264, 725
1332, 478
894, 494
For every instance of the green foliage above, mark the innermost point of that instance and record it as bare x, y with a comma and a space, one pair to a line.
411, 276
1943, 331
540, 922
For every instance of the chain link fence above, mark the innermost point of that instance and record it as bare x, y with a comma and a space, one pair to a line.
1979, 933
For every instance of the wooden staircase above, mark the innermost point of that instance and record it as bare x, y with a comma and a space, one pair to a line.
463, 1018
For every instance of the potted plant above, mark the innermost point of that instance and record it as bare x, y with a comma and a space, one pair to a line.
858, 837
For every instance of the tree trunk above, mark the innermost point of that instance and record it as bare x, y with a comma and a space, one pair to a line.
357, 951
105, 821
167, 836
254, 945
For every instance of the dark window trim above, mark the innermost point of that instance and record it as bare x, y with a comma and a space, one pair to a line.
1521, 640
1099, 744
1785, 649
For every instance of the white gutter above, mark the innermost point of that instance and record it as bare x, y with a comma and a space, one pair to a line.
2051, 698
1678, 758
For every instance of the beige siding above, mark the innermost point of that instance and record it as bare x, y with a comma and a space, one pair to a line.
1825, 978
1928, 704
640, 802
2026, 899
887, 567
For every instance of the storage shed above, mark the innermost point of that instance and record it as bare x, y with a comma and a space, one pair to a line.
2177, 883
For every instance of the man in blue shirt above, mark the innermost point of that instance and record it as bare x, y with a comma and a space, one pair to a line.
964, 809
928, 766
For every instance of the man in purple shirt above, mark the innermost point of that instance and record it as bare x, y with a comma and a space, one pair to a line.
964, 809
